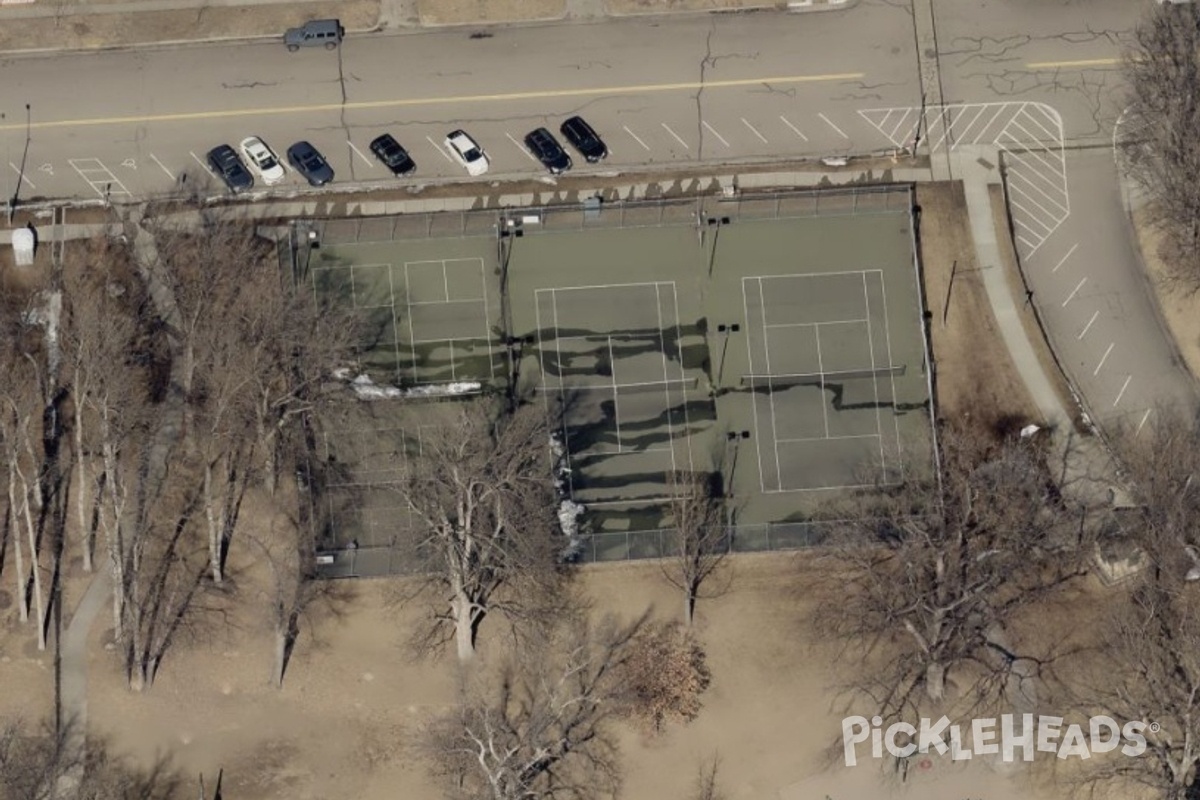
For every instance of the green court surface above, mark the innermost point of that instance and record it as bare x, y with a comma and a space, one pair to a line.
778, 340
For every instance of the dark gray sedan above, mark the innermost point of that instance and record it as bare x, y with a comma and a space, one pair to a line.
309, 162
228, 165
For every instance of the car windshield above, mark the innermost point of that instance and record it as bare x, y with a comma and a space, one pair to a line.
265, 161
473, 154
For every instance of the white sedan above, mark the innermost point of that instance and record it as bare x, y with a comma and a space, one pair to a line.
264, 162
468, 153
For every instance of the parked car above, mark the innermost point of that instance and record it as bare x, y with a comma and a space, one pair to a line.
225, 162
584, 139
263, 160
392, 155
468, 152
547, 150
315, 33
309, 162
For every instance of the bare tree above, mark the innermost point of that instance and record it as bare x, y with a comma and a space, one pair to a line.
39, 762
481, 498
701, 539
295, 593
542, 729
927, 585
707, 787
1163, 74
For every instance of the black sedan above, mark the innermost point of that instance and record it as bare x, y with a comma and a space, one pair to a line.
584, 139
547, 150
393, 156
309, 162
228, 165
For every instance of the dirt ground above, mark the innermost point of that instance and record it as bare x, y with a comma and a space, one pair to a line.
975, 374
353, 703
1180, 310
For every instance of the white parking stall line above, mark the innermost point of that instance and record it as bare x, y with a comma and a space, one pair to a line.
635, 137
1103, 358
795, 130
1063, 260
1121, 393
1142, 424
1075, 291
899, 126
521, 147
203, 165
441, 151
713, 131
667, 128
754, 130
368, 161
162, 166
963, 132
1087, 327
21, 175
829, 122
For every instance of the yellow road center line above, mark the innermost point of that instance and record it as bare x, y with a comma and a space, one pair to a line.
429, 101
1087, 62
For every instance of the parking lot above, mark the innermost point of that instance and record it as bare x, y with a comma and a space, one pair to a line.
777, 340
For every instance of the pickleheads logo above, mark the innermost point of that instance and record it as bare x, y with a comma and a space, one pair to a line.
988, 737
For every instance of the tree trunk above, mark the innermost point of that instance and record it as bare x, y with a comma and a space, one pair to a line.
689, 608
463, 611
935, 681
214, 527
15, 529
281, 642
34, 569
85, 530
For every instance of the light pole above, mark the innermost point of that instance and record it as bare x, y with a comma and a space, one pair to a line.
725, 329
12, 203
734, 438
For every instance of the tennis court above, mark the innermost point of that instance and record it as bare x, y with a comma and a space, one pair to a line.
776, 340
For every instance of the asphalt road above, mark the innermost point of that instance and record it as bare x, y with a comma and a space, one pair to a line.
1032, 78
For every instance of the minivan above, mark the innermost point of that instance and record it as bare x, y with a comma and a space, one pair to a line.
315, 32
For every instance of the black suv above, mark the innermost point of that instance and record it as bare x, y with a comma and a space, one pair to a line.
584, 139
306, 160
228, 165
393, 156
548, 151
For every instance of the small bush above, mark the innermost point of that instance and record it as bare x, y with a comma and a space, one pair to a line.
663, 677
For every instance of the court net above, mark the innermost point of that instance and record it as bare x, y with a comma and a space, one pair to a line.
600, 388
818, 378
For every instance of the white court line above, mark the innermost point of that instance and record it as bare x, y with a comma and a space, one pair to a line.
562, 391
874, 381
202, 164
1145, 417
440, 150
795, 130
713, 131
676, 135
162, 166
771, 389
412, 337
612, 365
821, 372
445, 281
793, 276
1103, 358
662, 346
1088, 327
811, 324
487, 321
522, 148
687, 420
635, 137
887, 331
395, 335
370, 163
754, 130
750, 363
558, 289
1075, 291
829, 122
1063, 260
833, 438
21, 175
444, 302
1121, 393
